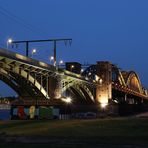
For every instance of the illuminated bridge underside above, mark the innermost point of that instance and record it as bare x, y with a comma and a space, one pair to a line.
128, 83
81, 87
31, 78
34, 79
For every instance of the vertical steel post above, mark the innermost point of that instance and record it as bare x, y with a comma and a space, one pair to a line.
27, 48
55, 52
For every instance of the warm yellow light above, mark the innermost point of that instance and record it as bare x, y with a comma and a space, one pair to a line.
72, 66
103, 105
96, 78
67, 100
103, 100
100, 81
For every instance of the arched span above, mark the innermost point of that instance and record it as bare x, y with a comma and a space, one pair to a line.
32, 80
82, 89
79, 95
17, 71
9, 81
117, 76
23, 90
133, 82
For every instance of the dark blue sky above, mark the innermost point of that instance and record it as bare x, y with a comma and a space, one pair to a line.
112, 30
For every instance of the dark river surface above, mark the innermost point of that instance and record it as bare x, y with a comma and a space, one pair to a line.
4, 114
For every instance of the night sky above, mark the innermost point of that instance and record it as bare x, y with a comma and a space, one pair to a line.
110, 30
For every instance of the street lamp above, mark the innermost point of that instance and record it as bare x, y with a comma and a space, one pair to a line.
51, 59
9, 41
82, 70
72, 67
33, 52
60, 63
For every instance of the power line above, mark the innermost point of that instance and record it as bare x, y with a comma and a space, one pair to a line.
66, 40
22, 22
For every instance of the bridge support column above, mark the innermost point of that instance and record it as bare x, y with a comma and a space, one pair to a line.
54, 87
104, 89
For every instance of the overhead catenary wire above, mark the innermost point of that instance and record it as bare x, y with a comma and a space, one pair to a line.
11, 16
21, 21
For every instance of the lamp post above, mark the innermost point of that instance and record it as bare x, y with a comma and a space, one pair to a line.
33, 52
72, 67
55, 41
51, 59
82, 70
9, 41
60, 63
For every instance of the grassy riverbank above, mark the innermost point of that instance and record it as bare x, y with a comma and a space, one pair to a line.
112, 133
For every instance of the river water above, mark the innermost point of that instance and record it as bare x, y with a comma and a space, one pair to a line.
4, 114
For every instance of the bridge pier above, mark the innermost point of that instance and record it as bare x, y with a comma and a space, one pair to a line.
104, 90
54, 88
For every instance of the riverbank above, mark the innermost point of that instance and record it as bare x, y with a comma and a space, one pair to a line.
111, 132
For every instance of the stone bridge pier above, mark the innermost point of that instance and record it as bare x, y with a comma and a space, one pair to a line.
54, 88
104, 87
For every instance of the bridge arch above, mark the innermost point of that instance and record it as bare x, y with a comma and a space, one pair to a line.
20, 87
9, 81
32, 80
117, 76
82, 89
133, 82
15, 69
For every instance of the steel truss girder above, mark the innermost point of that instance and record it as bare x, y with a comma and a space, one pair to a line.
14, 83
14, 67
70, 82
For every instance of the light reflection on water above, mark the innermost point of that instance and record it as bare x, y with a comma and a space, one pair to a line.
4, 114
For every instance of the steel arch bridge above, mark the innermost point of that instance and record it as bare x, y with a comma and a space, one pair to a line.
116, 84
99, 83
33, 79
